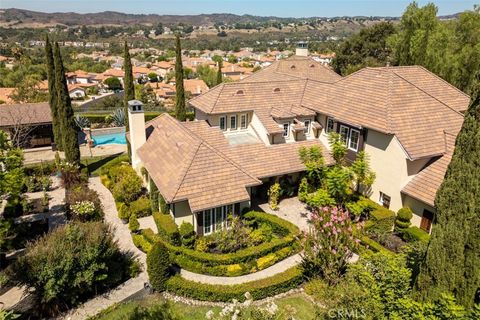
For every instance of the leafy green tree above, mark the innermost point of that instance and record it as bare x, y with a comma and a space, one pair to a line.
339, 148
452, 262
180, 108
314, 163
72, 263
367, 49
65, 111
113, 83
363, 175
416, 26
153, 77
11, 164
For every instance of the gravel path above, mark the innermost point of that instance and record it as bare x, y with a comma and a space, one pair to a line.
265, 273
124, 239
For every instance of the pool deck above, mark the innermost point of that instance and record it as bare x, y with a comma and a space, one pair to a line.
39, 155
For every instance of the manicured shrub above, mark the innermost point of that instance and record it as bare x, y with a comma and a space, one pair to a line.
383, 220
274, 195
260, 289
133, 223
123, 211
373, 245
319, 199
141, 242
163, 206
72, 263
167, 228
303, 189
154, 196
187, 234
141, 207
158, 266
127, 188
402, 222
278, 225
362, 207
413, 234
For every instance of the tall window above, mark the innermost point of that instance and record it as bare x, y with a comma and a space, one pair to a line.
233, 122
286, 129
354, 139
207, 222
344, 134
307, 127
223, 123
330, 125
243, 121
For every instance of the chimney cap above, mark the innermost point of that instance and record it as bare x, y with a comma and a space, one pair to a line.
135, 106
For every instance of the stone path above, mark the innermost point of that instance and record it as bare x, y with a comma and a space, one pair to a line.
290, 209
148, 222
124, 239
262, 274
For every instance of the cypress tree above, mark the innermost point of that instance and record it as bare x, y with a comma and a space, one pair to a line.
180, 109
452, 260
52, 94
219, 72
65, 111
129, 89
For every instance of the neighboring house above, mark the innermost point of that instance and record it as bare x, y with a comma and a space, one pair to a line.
164, 67
118, 73
5, 95
195, 86
247, 135
76, 91
28, 124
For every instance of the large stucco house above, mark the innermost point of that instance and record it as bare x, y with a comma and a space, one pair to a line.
247, 134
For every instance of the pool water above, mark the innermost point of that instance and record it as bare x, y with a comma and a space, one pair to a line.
113, 138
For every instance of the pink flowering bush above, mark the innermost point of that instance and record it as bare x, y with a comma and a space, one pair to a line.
329, 244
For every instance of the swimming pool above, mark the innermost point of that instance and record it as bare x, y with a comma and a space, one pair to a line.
112, 138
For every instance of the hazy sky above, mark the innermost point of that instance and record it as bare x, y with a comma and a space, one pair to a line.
283, 8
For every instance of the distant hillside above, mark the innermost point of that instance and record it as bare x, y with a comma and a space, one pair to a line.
19, 16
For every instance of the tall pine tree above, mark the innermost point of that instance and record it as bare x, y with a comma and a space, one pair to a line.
452, 261
52, 94
65, 111
129, 88
180, 109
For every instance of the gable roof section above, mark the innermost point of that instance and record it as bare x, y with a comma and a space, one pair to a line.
295, 67
425, 184
184, 166
381, 99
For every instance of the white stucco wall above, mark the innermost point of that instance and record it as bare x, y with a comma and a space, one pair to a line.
417, 207
258, 127
323, 136
182, 213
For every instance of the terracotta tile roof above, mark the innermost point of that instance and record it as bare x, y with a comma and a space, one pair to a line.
383, 100
5, 94
295, 67
114, 73
26, 113
184, 166
425, 184
195, 86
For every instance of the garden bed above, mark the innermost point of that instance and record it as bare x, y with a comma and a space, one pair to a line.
244, 261
279, 283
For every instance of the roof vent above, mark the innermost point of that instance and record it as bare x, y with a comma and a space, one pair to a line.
292, 67
276, 90
239, 93
312, 65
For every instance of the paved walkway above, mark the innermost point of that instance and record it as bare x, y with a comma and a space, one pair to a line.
148, 222
262, 274
124, 239
290, 209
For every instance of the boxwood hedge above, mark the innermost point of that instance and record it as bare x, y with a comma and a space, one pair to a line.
259, 289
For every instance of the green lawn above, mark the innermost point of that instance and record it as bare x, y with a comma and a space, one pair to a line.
296, 305
94, 164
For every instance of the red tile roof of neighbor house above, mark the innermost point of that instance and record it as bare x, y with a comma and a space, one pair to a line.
193, 161
5, 94
114, 73
25, 114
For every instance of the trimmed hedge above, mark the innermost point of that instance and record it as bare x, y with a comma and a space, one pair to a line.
279, 226
374, 246
260, 289
212, 259
413, 234
141, 242
382, 220
149, 115
167, 228
141, 207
